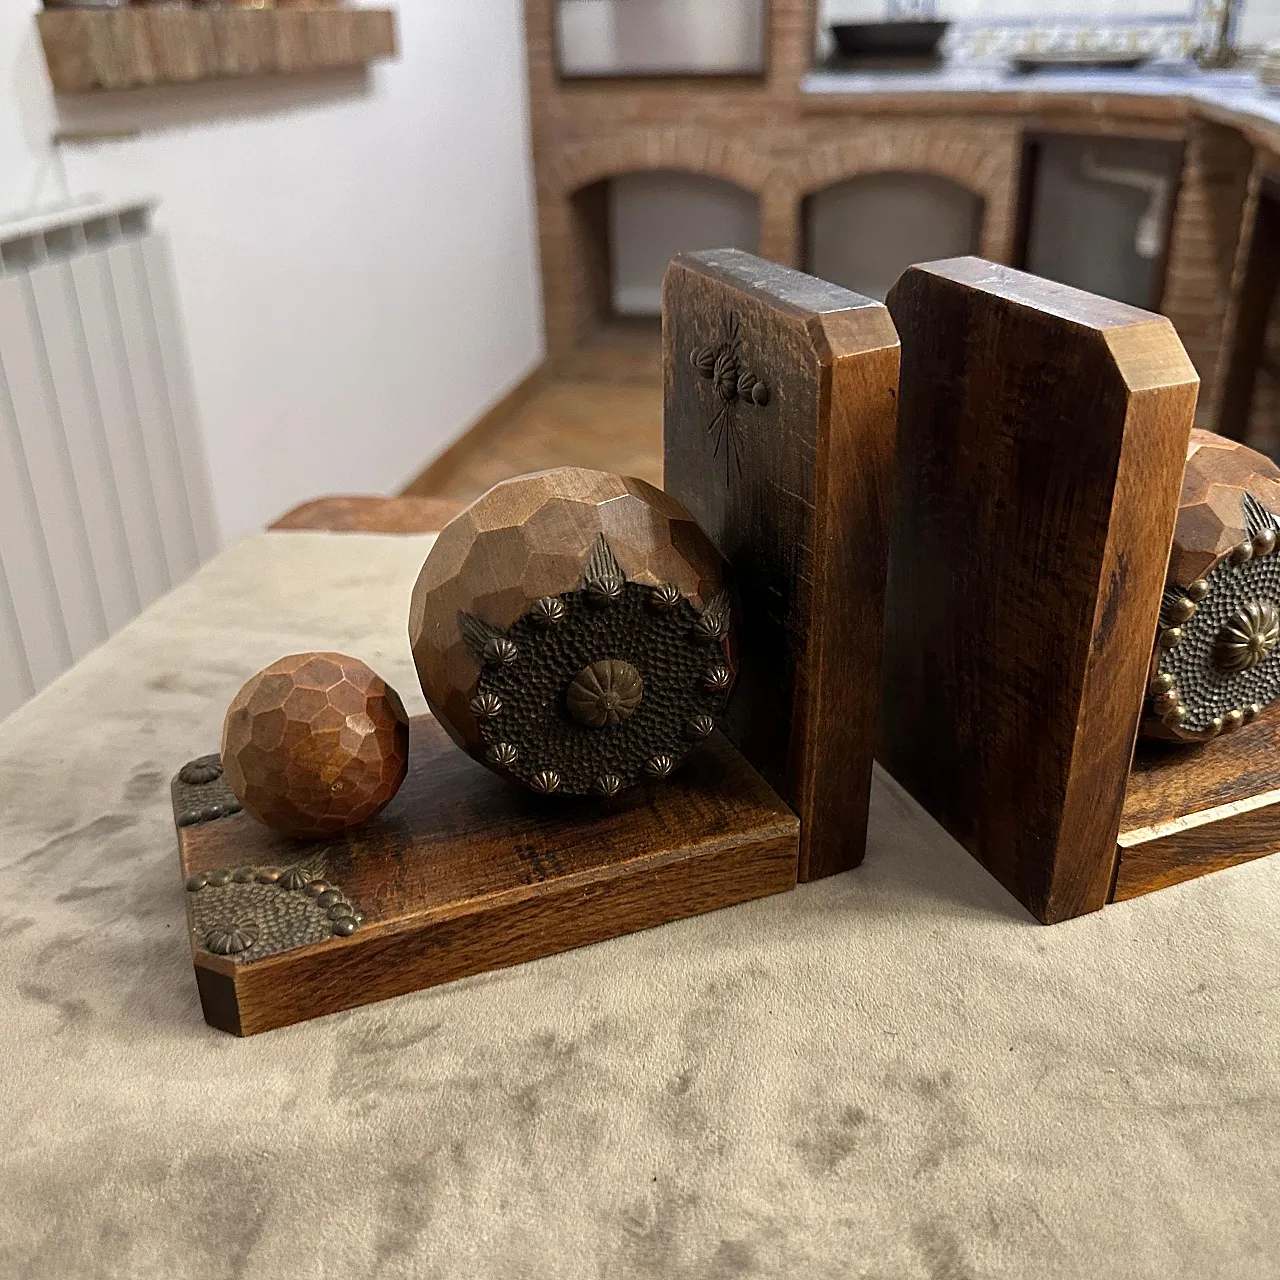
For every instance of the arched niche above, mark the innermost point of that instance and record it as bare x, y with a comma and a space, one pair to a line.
637, 222
862, 233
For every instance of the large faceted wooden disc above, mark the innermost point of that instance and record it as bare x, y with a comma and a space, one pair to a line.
1215, 665
529, 538
1211, 520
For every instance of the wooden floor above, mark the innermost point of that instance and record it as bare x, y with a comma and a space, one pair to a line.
606, 426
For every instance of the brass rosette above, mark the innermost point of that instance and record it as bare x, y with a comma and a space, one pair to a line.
1215, 665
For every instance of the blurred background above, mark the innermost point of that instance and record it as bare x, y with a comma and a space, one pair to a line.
255, 253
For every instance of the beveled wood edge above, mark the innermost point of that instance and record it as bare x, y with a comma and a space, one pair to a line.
696, 262
786, 827
1137, 836
223, 987
369, 513
1198, 849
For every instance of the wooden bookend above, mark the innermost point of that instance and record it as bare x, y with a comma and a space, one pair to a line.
460, 874
1042, 437
779, 404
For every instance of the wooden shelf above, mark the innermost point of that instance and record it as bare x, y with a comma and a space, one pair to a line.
89, 50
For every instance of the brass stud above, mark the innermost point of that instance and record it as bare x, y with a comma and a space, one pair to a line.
665, 597
704, 360
268, 875
608, 784
484, 706
1161, 684
318, 888
503, 754
341, 909
1232, 720
546, 781
197, 882
1248, 637
659, 766
1252, 711
330, 898
198, 772
603, 591
718, 679
500, 651
547, 611
244, 875
345, 927
1181, 610
1197, 590
220, 877
710, 627
1166, 701
294, 878
1241, 553
232, 941
1175, 716
1215, 725
1264, 543
700, 726
1170, 637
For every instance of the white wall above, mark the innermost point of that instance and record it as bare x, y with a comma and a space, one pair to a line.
356, 256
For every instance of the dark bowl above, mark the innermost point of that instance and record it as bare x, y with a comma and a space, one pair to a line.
888, 39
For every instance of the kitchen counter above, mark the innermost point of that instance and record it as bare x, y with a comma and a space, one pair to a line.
1158, 90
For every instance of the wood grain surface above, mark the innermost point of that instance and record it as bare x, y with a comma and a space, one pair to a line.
88, 50
463, 873
1189, 811
359, 513
1042, 435
795, 493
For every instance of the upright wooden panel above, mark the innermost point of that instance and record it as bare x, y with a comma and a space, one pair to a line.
792, 484
1042, 435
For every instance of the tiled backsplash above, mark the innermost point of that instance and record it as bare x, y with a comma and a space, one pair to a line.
985, 30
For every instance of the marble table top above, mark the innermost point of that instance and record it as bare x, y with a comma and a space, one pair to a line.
894, 1074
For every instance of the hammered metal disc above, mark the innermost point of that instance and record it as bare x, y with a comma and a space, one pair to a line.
1225, 657
544, 694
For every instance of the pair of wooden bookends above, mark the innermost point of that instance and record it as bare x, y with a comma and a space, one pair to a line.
1019, 476
964, 578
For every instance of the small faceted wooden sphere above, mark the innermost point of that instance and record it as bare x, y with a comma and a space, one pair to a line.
572, 630
315, 743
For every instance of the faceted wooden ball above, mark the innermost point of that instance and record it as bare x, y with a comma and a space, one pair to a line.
571, 629
315, 743
1214, 666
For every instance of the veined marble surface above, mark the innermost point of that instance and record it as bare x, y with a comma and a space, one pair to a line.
894, 1074
1233, 90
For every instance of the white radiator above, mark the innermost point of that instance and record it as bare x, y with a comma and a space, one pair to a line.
104, 490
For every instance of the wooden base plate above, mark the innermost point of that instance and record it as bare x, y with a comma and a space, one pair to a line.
1192, 810
460, 874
